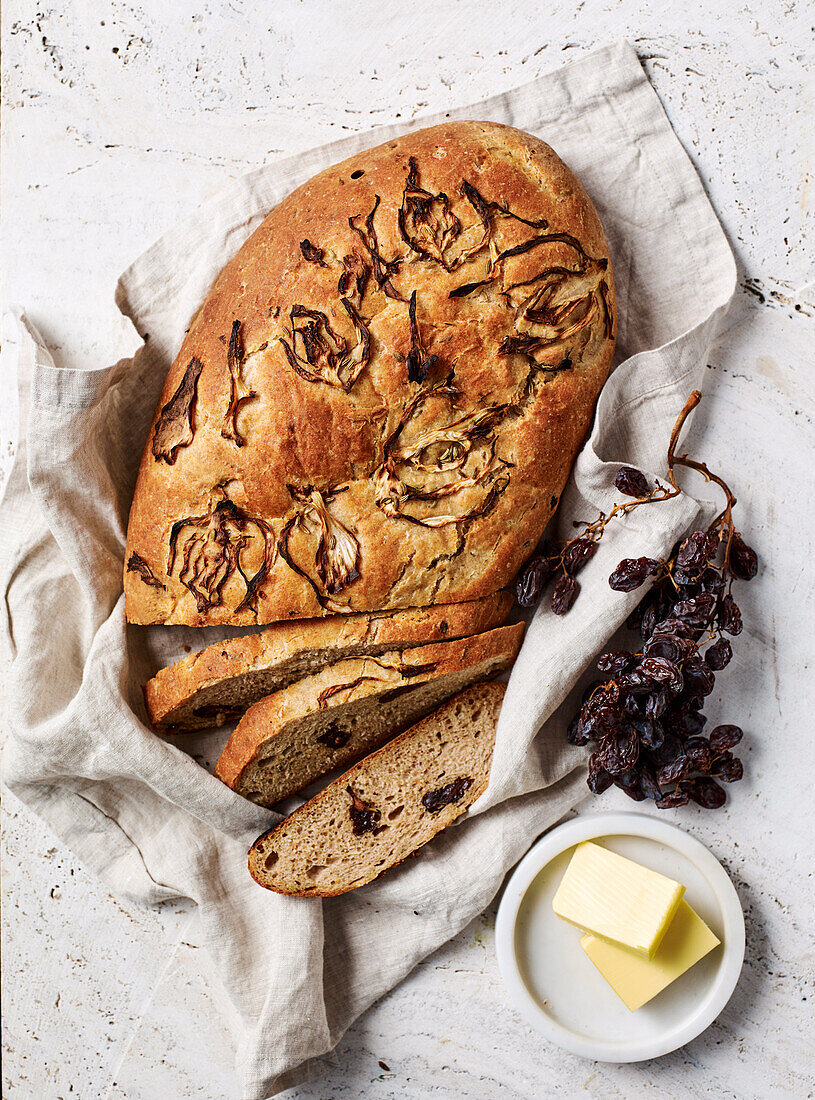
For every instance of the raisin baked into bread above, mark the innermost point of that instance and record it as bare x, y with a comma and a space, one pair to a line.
390, 804
336, 716
379, 402
219, 683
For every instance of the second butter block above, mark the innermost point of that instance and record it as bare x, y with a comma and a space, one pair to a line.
636, 980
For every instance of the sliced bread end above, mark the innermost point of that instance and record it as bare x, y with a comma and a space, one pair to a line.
386, 806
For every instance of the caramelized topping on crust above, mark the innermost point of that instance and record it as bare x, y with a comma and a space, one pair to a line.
407, 671
424, 465
561, 306
314, 541
174, 426
354, 278
239, 391
425, 220
382, 269
319, 354
137, 564
313, 254
430, 229
325, 696
418, 362
213, 546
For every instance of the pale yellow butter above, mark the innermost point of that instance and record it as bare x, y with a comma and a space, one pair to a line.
616, 899
636, 980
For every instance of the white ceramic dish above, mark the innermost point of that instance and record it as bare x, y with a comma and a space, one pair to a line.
555, 986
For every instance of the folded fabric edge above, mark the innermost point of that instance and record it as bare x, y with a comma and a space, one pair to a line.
594, 635
544, 809
683, 186
596, 485
96, 839
152, 275
22, 347
619, 395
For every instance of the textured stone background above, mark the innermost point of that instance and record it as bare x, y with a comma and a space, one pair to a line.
117, 119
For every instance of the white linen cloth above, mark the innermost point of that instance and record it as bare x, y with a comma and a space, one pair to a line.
141, 811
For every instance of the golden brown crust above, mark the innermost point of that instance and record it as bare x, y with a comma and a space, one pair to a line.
364, 432
266, 719
175, 688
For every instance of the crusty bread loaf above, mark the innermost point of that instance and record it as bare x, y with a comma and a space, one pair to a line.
336, 716
387, 806
220, 682
379, 402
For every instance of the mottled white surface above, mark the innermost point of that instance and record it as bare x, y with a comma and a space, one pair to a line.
117, 119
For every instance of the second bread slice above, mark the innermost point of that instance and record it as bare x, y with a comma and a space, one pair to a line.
338, 715
218, 684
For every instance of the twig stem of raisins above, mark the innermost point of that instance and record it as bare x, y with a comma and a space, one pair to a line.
644, 721
725, 517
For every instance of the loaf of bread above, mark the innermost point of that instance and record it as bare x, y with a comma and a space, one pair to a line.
379, 402
334, 717
386, 807
222, 681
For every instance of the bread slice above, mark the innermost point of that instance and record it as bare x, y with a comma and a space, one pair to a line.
387, 806
335, 717
220, 682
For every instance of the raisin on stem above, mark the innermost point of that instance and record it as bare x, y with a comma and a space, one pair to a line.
643, 724
632, 482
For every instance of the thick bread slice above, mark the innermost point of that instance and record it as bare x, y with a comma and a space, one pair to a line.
220, 682
337, 716
387, 806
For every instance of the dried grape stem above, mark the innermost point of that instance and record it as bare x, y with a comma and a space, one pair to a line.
661, 493
725, 517
594, 530
658, 493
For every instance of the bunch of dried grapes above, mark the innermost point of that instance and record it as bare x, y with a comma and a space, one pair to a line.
569, 558
644, 718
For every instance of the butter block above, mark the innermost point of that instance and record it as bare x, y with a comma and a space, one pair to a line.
616, 899
636, 980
